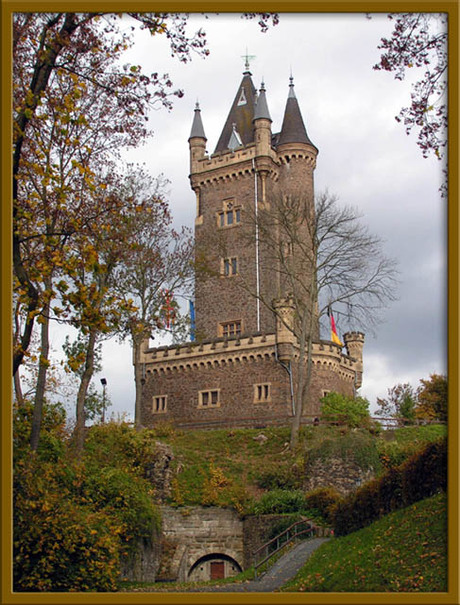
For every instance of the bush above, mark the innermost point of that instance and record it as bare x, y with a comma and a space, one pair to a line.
75, 519
278, 476
280, 501
60, 543
324, 501
353, 412
354, 445
423, 475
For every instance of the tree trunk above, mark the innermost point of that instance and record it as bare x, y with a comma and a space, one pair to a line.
43, 69
138, 339
82, 391
18, 390
41, 379
295, 427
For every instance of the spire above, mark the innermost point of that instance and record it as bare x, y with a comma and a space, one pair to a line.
261, 110
197, 126
293, 129
241, 114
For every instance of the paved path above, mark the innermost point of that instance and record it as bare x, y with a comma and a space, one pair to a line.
283, 570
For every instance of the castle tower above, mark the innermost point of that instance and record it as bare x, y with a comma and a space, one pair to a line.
241, 368
354, 342
250, 165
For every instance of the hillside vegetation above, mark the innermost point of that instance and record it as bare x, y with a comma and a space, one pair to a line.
78, 519
237, 467
405, 551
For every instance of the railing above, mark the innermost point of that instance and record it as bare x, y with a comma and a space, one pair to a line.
302, 528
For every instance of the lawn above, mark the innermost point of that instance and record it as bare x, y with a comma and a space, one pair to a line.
405, 551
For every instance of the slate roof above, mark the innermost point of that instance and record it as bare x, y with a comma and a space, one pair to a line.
241, 114
197, 125
293, 129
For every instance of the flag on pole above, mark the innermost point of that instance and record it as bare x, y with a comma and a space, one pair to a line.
334, 336
192, 320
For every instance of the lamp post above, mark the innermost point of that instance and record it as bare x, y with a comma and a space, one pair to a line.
104, 384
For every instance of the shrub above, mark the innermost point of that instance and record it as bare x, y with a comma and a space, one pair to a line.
280, 501
324, 501
423, 475
276, 476
353, 412
75, 519
354, 445
60, 544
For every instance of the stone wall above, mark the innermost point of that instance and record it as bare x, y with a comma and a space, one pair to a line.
142, 565
203, 534
344, 476
234, 367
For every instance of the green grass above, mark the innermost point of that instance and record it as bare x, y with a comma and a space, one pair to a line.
405, 551
229, 467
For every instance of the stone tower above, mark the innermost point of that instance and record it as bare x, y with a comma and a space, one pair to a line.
241, 370
249, 166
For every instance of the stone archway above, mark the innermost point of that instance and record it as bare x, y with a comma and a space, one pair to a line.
213, 566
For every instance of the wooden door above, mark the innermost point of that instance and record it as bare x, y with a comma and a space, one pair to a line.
217, 570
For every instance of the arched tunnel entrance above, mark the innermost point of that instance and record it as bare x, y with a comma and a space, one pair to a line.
213, 567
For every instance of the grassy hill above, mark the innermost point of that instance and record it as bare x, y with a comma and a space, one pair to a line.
405, 551
235, 467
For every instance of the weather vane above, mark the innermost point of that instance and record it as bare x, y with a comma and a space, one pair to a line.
247, 58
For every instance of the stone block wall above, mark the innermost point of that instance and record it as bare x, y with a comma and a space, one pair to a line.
209, 534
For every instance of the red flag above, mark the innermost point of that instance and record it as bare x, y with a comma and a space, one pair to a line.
334, 336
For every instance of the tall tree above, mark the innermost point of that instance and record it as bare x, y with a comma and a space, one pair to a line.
160, 261
432, 398
400, 403
85, 49
322, 256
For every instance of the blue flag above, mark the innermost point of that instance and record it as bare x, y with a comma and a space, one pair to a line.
192, 320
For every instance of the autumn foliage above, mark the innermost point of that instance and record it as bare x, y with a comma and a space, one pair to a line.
422, 476
76, 521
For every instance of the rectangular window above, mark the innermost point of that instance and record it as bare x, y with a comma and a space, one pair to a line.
209, 399
229, 266
229, 217
159, 404
230, 328
262, 392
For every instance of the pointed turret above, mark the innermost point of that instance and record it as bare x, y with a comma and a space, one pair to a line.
197, 140
197, 126
262, 131
241, 114
261, 110
293, 129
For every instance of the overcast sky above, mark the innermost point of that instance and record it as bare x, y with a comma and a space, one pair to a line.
365, 158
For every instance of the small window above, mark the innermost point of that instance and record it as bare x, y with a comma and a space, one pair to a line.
159, 404
229, 266
262, 392
207, 399
230, 328
229, 216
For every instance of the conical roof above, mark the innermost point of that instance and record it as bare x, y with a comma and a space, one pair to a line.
293, 129
261, 110
197, 126
241, 115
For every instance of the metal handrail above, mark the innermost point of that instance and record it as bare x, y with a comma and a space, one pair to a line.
289, 538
